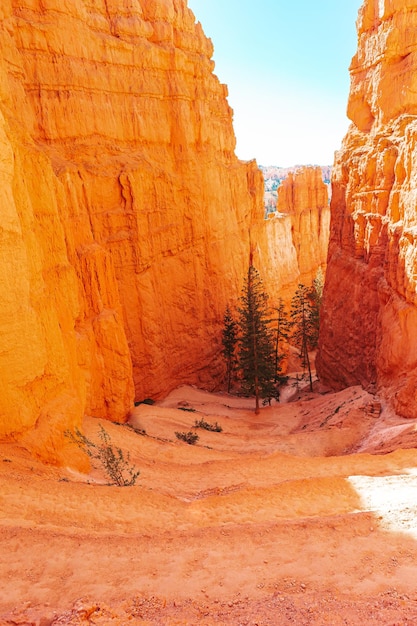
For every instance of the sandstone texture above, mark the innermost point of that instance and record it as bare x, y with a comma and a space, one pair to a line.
127, 221
292, 243
273, 521
369, 323
303, 205
125, 214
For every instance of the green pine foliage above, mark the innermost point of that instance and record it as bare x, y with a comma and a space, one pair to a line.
282, 332
256, 354
190, 437
229, 341
303, 327
316, 297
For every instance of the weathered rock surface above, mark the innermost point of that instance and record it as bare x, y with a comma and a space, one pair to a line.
293, 241
125, 214
127, 220
275, 175
303, 197
369, 324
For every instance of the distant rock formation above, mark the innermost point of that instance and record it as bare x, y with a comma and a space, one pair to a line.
369, 322
298, 230
274, 176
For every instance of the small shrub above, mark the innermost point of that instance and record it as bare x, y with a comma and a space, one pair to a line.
190, 437
145, 401
185, 408
116, 465
215, 428
136, 429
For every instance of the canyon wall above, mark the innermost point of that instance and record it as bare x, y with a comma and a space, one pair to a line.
125, 214
295, 237
369, 317
127, 220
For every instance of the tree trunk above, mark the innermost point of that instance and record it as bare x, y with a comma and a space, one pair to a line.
308, 366
256, 396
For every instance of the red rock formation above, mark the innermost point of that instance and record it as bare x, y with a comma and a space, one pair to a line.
125, 215
126, 218
303, 197
292, 243
369, 325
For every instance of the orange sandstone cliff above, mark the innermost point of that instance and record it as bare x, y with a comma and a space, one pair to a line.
369, 321
292, 243
303, 199
126, 219
125, 214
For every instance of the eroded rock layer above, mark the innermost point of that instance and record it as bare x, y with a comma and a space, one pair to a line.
127, 220
293, 241
125, 214
369, 323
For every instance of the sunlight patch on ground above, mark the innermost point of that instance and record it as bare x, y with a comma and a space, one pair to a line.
393, 499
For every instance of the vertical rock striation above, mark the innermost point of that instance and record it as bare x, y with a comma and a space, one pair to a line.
369, 325
125, 214
295, 237
126, 219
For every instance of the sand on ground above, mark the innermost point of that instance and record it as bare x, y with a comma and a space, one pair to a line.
304, 514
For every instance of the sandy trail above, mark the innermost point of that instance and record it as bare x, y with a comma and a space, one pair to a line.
274, 520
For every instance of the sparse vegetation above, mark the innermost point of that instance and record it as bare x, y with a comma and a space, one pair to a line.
190, 437
186, 408
113, 460
316, 298
215, 428
138, 431
145, 401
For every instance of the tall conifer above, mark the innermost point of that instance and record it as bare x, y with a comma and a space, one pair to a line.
229, 341
282, 331
256, 346
316, 297
303, 330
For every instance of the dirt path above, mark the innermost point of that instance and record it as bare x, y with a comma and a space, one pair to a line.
272, 521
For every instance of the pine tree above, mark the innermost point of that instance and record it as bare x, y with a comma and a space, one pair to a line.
282, 331
316, 297
255, 347
229, 341
303, 331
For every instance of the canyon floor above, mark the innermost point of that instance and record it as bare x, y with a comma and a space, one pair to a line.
304, 514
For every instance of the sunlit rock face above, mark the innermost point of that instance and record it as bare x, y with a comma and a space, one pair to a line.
127, 222
125, 214
369, 322
293, 241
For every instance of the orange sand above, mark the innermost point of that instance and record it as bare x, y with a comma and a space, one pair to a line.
284, 518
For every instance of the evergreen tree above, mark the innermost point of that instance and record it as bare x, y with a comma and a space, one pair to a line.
229, 341
256, 346
316, 297
303, 330
282, 331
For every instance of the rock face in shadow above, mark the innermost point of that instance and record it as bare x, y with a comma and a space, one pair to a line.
127, 220
369, 323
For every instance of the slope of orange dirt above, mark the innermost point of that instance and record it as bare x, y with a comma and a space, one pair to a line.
278, 519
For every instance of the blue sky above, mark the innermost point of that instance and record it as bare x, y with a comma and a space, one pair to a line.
285, 63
